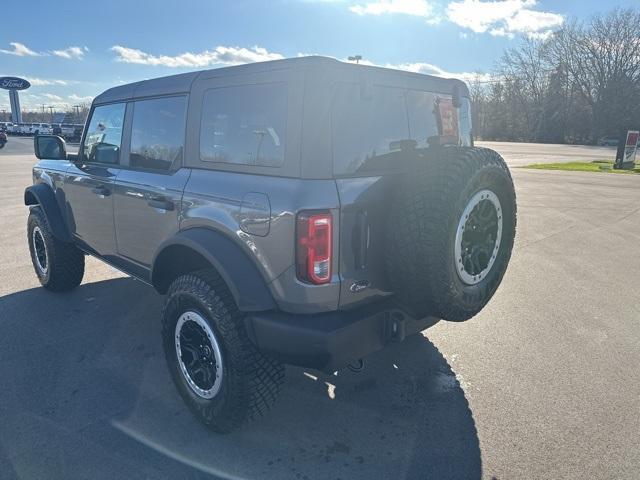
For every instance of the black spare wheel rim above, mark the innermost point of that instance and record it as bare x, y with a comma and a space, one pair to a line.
40, 251
199, 355
478, 237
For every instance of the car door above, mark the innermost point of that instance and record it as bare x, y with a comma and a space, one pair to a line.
148, 190
89, 183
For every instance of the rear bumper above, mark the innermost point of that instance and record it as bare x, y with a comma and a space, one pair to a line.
330, 341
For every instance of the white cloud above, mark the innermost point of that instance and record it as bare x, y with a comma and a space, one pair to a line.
77, 98
71, 52
40, 82
418, 67
218, 56
418, 8
20, 50
503, 17
532, 21
32, 101
51, 96
430, 69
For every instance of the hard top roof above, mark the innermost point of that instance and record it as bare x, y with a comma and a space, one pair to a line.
181, 83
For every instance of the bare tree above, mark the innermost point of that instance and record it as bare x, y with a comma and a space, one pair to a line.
602, 58
581, 83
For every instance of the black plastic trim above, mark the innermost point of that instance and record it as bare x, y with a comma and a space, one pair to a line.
42, 194
330, 341
241, 275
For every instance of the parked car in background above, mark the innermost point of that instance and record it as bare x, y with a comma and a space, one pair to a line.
56, 129
3, 137
69, 131
77, 131
41, 129
608, 141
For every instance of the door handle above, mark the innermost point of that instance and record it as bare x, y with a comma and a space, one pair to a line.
101, 191
160, 202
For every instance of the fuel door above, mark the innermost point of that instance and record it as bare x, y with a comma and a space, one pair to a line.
255, 214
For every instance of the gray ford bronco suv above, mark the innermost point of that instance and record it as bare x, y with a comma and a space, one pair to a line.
302, 211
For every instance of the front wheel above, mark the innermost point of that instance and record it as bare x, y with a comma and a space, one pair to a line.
58, 265
219, 372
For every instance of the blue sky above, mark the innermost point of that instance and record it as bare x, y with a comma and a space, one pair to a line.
72, 50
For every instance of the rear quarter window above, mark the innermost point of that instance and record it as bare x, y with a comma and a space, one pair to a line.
244, 125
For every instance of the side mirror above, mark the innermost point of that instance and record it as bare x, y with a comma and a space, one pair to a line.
50, 147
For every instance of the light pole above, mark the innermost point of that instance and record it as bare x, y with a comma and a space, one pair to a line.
77, 107
50, 107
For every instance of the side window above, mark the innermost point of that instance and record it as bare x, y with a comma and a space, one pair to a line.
366, 129
104, 134
244, 125
157, 133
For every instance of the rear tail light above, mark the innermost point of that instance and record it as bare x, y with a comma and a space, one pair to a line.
313, 247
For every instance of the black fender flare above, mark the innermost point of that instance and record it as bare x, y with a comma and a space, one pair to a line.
246, 283
42, 194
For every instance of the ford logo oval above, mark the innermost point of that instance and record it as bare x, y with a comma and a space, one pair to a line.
359, 286
14, 83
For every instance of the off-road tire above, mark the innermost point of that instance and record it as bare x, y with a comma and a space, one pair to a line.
422, 228
250, 380
65, 260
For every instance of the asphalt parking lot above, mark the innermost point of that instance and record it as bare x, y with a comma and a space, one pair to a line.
543, 383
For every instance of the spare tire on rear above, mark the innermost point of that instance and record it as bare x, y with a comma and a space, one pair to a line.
450, 232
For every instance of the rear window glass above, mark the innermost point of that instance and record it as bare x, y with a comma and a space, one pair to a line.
244, 125
422, 118
157, 133
364, 127
371, 131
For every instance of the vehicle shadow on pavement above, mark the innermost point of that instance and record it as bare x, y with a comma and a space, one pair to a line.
87, 394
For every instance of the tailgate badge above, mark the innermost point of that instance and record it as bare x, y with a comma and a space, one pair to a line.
359, 286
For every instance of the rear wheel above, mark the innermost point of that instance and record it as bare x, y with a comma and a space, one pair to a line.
219, 373
451, 233
58, 265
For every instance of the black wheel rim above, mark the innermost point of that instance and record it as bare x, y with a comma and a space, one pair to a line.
478, 237
39, 251
199, 355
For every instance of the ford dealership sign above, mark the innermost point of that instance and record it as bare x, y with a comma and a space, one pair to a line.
14, 83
